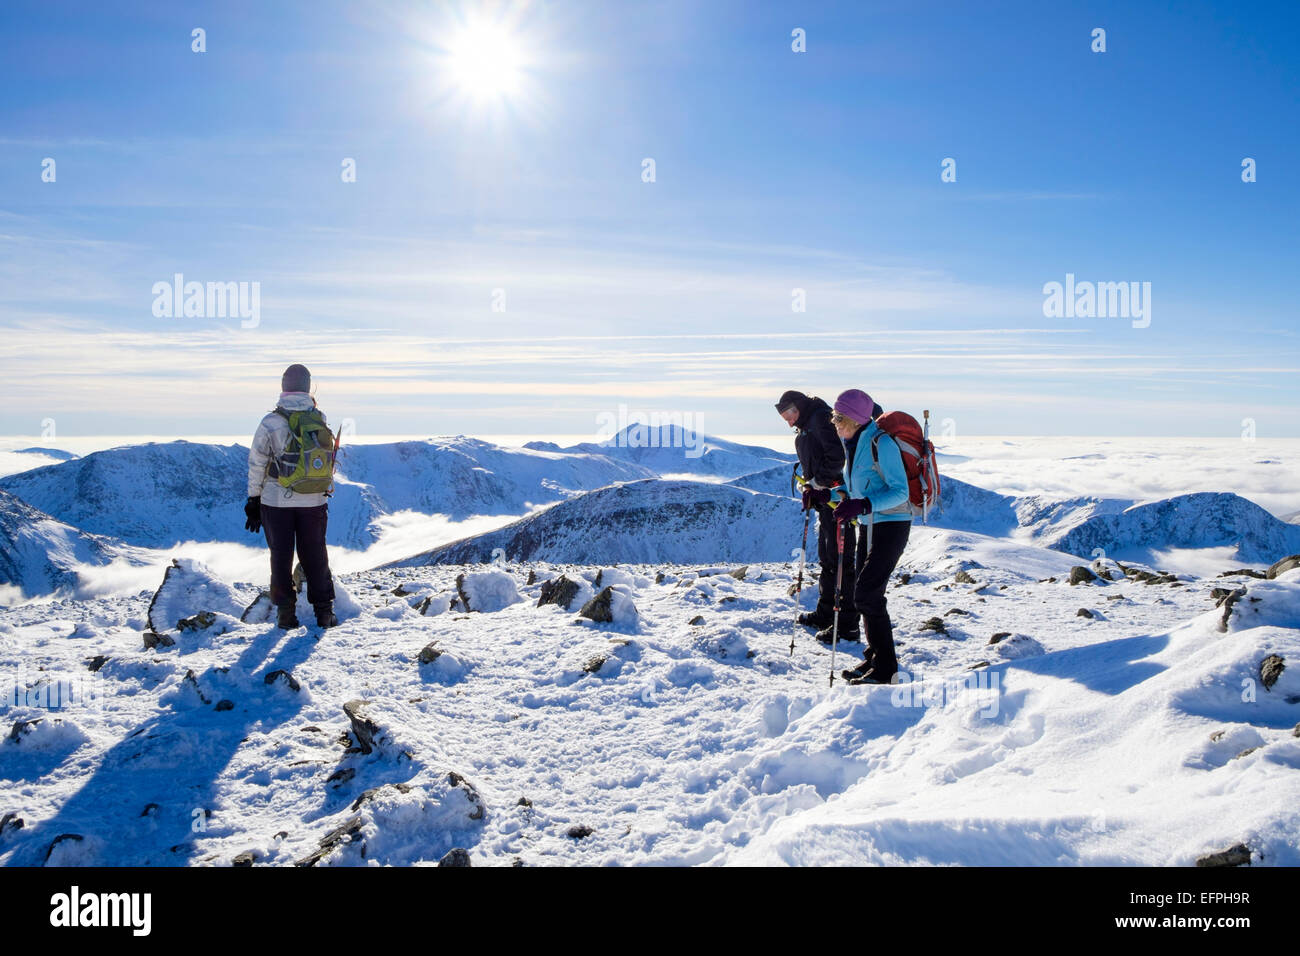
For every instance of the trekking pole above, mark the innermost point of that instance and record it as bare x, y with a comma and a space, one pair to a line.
839, 581
798, 584
925, 462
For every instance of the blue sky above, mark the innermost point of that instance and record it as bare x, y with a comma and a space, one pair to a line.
775, 171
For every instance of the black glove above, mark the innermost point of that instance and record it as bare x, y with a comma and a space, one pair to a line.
812, 497
851, 508
253, 509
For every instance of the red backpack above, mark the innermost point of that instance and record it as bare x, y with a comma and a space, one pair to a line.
918, 459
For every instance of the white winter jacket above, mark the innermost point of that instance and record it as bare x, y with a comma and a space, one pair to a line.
268, 444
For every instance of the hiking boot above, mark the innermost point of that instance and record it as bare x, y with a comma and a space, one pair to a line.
286, 617
846, 636
325, 616
817, 619
861, 670
873, 676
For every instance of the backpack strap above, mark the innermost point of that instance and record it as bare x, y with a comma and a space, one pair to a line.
906, 506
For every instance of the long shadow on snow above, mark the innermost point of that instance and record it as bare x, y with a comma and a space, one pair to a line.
108, 808
1110, 667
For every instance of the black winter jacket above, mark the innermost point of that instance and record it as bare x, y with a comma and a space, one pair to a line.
820, 451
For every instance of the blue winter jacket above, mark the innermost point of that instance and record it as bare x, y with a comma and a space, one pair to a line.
886, 489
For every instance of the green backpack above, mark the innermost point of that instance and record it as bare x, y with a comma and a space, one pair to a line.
306, 465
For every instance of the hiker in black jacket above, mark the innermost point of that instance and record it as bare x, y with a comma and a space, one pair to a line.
821, 462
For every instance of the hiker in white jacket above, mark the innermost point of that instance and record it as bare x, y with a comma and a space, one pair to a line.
293, 520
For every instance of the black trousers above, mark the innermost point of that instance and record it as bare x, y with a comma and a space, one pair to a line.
828, 557
874, 566
302, 529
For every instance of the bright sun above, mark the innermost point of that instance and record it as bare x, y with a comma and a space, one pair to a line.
486, 61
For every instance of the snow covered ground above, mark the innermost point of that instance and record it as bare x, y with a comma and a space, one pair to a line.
682, 731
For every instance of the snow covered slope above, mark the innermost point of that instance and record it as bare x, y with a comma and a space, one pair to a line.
39, 555
640, 521
460, 476
161, 494
1119, 527
1201, 520
1157, 731
770, 481
154, 495
673, 450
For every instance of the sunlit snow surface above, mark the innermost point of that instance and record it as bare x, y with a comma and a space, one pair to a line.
683, 731
1116, 739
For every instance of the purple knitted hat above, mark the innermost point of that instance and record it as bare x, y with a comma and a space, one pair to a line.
855, 404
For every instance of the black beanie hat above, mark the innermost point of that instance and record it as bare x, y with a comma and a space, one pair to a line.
791, 398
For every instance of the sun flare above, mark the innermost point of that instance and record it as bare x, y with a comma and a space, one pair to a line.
486, 61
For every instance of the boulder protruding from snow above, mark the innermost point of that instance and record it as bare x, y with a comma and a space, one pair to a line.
1081, 575
610, 606
363, 728
1238, 855
189, 588
1270, 669
559, 591
1283, 566
486, 591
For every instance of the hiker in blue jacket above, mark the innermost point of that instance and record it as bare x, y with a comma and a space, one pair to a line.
875, 495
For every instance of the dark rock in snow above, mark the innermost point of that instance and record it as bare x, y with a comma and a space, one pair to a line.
430, 653
1000, 635
192, 681
347, 831
225, 704
363, 728
244, 859
1227, 601
23, 727
955, 610
560, 591
905, 578
96, 662
199, 622
935, 624
10, 822
739, 573
1244, 572
600, 608
963, 577
340, 777
370, 794
696, 620
1238, 855
1246, 752
1270, 669
525, 802
1084, 612
594, 664
579, 832
260, 610
284, 677
1283, 566
74, 837
532, 576
154, 640
1081, 575
150, 810
480, 810
457, 856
